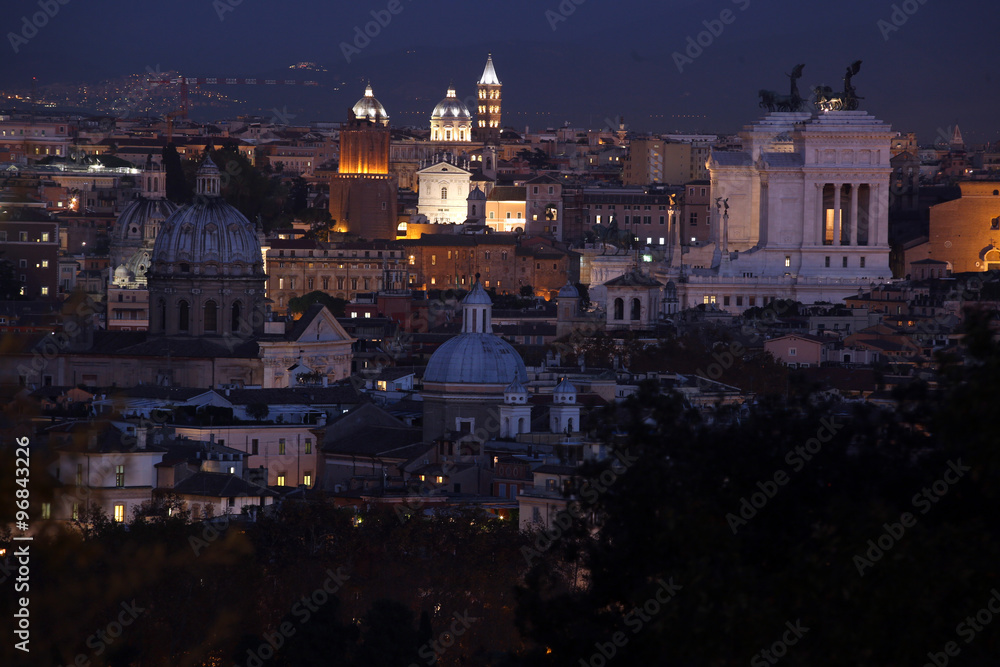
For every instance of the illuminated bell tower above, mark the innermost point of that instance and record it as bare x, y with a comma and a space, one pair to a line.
488, 104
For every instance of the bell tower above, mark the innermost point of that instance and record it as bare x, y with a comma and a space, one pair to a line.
488, 104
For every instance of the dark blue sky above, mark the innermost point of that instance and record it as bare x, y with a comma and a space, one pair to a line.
606, 58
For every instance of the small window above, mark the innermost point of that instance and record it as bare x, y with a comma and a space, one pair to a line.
120, 512
281, 479
254, 447
281, 446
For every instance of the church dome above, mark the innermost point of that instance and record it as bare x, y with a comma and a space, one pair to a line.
476, 358
370, 108
131, 224
451, 107
568, 291
477, 355
210, 235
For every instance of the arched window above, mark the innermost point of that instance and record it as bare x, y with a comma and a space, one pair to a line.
619, 309
211, 317
444, 193
520, 425
234, 325
636, 309
569, 424
183, 316
156, 184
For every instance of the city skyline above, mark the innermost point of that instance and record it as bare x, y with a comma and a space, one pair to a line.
684, 67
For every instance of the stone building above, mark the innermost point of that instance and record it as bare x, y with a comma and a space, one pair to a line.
965, 232
800, 213
342, 270
363, 197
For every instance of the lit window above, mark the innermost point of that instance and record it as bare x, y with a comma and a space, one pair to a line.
45, 263
281, 479
307, 478
46, 510
119, 476
309, 445
45, 291
281, 446
439, 479
120, 512
788, 261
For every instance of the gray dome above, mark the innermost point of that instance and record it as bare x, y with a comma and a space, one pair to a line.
451, 107
210, 234
370, 108
476, 194
564, 387
567, 291
136, 214
476, 358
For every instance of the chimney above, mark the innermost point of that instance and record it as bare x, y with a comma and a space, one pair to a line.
140, 438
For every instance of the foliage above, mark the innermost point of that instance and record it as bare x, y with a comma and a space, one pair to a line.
681, 512
10, 283
300, 304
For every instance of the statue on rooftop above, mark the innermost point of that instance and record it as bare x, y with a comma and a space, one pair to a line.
772, 101
827, 100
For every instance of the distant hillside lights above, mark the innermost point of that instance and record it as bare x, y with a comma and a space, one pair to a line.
372, 29
38, 20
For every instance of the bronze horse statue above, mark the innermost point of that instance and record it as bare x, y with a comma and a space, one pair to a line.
827, 100
772, 101
620, 238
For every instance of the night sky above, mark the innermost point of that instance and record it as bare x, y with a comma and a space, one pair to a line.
606, 58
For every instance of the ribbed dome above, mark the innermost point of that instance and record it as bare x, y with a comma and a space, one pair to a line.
476, 195
137, 213
370, 108
476, 358
209, 233
450, 107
